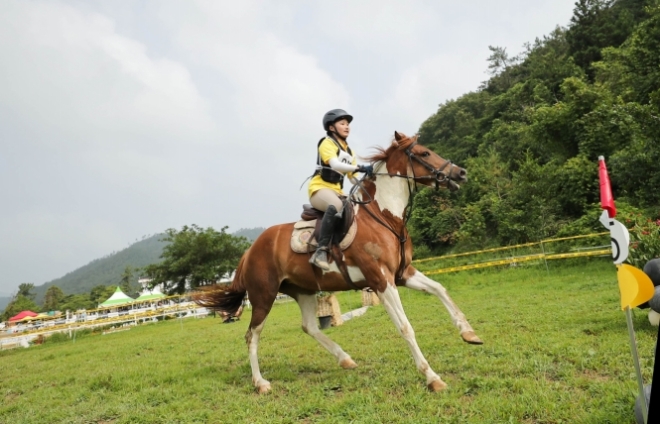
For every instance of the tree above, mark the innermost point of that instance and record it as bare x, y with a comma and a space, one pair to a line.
196, 256
125, 281
73, 302
597, 24
18, 304
53, 297
26, 290
101, 293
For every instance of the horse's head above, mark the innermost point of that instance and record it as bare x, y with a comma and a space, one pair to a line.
406, 157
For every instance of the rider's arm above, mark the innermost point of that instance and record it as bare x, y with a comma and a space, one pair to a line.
340, 166
328, 151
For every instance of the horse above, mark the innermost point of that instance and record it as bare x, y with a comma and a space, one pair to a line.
379, 258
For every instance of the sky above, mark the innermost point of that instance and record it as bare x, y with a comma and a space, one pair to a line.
121, 119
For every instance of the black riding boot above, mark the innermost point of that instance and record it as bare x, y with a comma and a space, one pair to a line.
320, 257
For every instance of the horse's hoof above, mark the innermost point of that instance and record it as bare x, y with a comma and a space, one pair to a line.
437, 385
348, 364
263, 389
471, 338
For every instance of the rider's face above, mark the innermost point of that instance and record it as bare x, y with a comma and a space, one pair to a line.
342, 128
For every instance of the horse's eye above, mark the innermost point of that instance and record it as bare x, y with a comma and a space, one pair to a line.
426, 154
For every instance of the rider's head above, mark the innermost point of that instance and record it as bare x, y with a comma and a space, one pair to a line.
337, 122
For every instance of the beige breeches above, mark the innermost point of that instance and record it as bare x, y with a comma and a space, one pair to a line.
324, 197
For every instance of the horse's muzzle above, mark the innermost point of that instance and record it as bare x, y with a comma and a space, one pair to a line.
456, 180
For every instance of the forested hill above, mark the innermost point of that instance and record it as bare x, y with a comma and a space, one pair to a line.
108, 270
249, 233
531, 135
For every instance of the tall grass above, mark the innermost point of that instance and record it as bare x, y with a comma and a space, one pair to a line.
556, 351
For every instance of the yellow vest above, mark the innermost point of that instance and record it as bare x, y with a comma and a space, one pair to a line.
328, 150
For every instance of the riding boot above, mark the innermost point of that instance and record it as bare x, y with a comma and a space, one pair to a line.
320, 257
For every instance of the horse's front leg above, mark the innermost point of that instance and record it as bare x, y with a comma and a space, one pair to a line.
392, 303
421, 282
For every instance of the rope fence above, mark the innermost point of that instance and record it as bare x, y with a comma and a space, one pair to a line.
430, 266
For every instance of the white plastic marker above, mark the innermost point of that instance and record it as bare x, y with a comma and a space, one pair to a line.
635, 286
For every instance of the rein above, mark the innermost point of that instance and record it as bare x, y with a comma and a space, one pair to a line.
438, 175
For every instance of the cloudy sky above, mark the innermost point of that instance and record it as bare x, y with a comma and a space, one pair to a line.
120, 119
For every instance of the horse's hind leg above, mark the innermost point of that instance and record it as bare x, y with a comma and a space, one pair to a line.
260, 310
307, 303
421, 282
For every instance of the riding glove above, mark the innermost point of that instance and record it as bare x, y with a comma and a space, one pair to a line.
367, 169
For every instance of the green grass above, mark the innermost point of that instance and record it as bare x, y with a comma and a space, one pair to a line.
556, 351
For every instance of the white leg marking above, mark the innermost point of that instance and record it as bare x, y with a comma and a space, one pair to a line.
307, 305
392, 302
423, 283
252, 339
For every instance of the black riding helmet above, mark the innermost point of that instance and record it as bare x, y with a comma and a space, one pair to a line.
335, 115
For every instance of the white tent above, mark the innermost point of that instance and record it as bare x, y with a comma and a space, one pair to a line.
154, 294
118, 298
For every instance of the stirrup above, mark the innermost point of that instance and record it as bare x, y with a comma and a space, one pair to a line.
320, 259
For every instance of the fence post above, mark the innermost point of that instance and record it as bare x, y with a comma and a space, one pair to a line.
544, 259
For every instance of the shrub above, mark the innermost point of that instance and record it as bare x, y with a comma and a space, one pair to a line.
644, 240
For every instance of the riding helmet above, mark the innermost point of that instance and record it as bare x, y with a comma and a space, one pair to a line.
335, 115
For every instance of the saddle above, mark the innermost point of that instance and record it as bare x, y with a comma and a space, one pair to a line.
306, 231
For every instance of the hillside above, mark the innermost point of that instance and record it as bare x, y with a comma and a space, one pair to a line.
531, 135
249, 233
108, 270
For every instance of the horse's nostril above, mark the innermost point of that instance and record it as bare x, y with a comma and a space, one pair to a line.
463, 173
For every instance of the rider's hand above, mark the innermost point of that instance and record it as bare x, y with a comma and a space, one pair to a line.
367, 169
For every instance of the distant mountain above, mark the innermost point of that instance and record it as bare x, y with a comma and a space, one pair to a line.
250, 233
4, 301
108, 270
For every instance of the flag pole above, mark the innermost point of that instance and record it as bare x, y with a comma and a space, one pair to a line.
654, 412
638, 369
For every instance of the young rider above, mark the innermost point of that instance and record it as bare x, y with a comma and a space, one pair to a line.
334, 160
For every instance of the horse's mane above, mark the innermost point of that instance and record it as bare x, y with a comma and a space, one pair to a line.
382, 154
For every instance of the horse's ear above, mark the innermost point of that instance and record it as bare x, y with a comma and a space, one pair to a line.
398, 136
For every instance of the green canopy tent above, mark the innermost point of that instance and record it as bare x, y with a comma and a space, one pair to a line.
118, 298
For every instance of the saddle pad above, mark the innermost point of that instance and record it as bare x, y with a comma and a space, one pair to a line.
302, 240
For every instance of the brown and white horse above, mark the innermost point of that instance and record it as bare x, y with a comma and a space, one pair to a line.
373, 260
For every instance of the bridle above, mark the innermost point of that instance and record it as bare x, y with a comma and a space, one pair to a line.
440, 177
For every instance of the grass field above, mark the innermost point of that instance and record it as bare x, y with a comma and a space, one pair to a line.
556, 351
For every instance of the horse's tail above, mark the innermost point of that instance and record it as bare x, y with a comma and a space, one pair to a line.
224, 299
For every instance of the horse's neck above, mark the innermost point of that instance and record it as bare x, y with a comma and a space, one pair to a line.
391, 193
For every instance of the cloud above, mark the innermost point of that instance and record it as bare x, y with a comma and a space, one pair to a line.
423, 86
89, 122
376, 24
275, 90
74, 76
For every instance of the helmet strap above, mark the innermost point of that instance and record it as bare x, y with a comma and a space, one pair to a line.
334, 134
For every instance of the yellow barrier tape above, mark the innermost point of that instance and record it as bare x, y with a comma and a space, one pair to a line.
515, 246
475, 252
517, 259
579, 254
